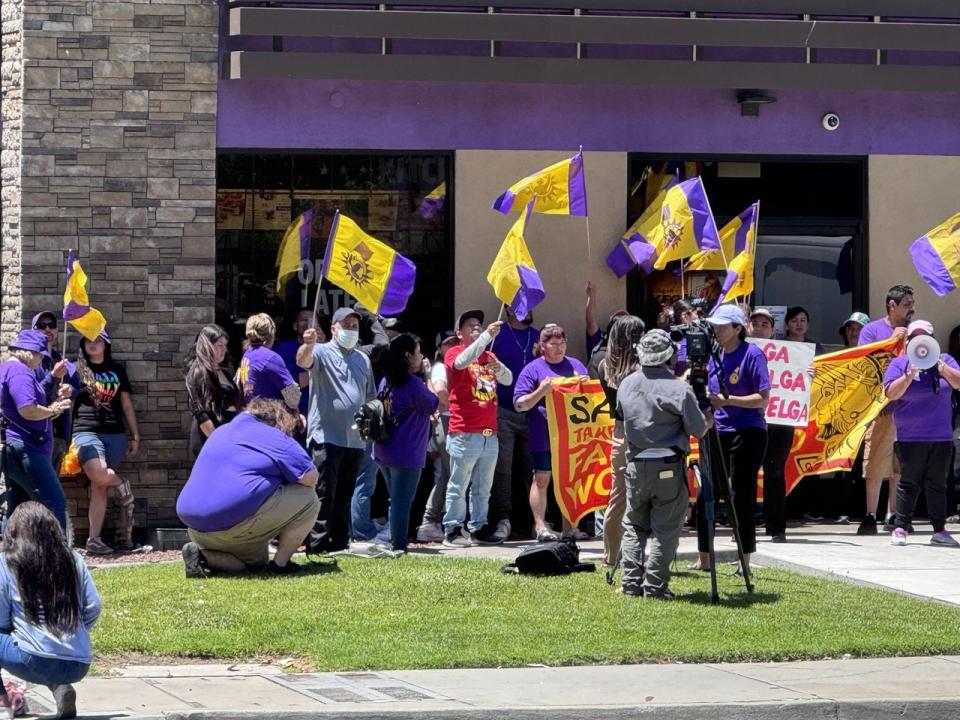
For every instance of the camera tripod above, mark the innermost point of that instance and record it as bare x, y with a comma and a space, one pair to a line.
710, 450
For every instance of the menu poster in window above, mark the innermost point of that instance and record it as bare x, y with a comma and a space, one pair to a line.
271, 210
234, 210
382, 209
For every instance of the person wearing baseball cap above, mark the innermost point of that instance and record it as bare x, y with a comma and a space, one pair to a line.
473, 373
923, 417
660, 414
741, 426
850, 330
54, 373
341, 381
28, 433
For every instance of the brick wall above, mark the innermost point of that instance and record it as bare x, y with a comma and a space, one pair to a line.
117, 160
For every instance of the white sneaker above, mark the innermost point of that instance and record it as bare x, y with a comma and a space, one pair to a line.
430, 533
898, 537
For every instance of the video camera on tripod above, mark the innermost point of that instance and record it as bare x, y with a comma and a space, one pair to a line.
702, 345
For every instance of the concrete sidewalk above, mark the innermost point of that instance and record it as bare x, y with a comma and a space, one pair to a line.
924, 687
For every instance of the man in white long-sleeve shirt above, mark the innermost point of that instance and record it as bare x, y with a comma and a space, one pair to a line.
472, 376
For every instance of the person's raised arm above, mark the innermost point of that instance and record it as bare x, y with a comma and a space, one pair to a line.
305, 351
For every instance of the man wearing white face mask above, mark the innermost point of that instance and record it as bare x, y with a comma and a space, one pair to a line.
341, 380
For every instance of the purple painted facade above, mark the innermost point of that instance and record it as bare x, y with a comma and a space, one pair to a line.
353, 115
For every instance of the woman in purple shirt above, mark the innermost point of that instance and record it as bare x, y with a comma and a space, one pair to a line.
922, 414
739, 415
262, 372
29, 436
402, 455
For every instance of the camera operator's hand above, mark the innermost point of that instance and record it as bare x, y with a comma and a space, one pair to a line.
718, 401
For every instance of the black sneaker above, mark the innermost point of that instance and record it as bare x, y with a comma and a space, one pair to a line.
868, 526
486, 536
456, 539
194, 563
291, 568
778, 538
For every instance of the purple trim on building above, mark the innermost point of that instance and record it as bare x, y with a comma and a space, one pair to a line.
448, 116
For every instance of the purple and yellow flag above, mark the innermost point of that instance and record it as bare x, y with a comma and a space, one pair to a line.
735, 237
678, 224
370, 270
739, 280
936, 256
89, 321
559, 190
629, 253
294, 249
513, 275
432, 204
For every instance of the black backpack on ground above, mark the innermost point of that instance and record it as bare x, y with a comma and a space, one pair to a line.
560, 557
374, 420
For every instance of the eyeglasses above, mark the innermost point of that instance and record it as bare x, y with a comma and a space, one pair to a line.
46, 326
556, 344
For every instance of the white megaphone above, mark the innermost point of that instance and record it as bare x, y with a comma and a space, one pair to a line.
923, 352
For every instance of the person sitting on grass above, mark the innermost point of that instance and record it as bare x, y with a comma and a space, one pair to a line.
252, 482
48, 604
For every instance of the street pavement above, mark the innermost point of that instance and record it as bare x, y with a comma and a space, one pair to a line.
925, 687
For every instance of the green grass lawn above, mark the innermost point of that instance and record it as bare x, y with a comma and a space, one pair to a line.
442, 613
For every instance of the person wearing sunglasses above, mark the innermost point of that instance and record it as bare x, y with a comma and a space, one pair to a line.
54, 373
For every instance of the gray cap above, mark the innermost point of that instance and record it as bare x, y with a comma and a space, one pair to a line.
655, 348
762, 311
342, 313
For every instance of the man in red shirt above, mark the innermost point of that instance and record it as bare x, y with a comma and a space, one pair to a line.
472, 376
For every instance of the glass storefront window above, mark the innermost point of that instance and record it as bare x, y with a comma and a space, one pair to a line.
260, 195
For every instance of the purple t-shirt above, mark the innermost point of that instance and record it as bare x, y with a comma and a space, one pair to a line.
287, 350
513, 348
529, 380
744, 373
19, 388
413, 404
240, 466
921, 415
875, 331
263, 374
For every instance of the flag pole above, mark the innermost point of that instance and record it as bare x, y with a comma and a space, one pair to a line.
683, 284
756, 233
65, 323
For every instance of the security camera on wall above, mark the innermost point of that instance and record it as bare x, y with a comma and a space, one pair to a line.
830, 121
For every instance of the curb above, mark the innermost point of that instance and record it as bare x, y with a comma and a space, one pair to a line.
918, 709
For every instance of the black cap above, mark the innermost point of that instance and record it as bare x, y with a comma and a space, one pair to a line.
468, 314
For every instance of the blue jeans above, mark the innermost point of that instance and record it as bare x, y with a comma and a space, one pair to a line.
361, 524
37, 669
41, 475
473, 461
402, 484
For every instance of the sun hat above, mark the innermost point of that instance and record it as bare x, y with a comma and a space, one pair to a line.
32, 340
655, 348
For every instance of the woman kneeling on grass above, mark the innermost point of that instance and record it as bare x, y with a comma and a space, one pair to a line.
252, 482
48, 604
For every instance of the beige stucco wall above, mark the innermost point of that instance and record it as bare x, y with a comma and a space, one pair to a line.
909, 195
557, 243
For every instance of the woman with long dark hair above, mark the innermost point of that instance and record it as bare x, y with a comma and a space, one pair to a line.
210, 387
621, 360
48, 604
102, 414
402, 456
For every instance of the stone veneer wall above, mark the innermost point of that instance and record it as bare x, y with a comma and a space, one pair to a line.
109, 147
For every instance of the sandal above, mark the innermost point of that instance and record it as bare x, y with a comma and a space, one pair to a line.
576, 534
546, 535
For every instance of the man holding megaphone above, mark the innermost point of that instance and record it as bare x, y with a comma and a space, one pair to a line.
918, 385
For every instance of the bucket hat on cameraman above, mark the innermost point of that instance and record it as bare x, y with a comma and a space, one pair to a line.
655, 348
857, 317
32, 340
727, 315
